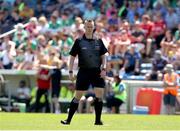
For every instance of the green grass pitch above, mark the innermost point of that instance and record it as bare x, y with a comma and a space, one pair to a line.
40, 121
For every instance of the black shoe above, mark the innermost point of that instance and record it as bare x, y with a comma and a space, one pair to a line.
65, 122
98, 123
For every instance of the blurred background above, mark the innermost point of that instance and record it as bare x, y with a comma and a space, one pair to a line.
142, 37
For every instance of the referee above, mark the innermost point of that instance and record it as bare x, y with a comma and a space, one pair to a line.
92, 63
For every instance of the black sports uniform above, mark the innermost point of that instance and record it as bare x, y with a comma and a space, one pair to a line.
89, 53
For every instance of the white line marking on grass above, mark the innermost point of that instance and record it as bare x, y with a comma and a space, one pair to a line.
89, 130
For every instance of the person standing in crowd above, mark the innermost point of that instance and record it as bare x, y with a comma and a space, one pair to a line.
55, 84
117, 95
92, 63
43, 83
170, 89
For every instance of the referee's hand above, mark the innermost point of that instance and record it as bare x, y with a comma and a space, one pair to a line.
103, 73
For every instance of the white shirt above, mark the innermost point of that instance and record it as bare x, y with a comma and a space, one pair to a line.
29, 57
24, 92
5, 58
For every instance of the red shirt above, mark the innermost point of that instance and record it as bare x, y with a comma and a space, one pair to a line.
158, 28
147, 28
43, 84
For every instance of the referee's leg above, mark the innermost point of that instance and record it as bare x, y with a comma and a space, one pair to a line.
98, 104
73, 107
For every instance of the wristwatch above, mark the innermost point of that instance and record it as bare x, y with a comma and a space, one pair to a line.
70, 71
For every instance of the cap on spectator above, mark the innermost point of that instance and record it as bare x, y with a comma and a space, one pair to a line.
169, 67
19, 26
158, 52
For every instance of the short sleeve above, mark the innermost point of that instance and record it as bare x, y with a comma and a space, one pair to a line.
103, 49
75, 48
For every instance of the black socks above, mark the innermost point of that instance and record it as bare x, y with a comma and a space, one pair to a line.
73, 107
98, 104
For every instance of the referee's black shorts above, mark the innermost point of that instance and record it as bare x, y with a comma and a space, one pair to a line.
85, 77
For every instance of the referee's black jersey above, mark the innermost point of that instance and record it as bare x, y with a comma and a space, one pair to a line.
89, 52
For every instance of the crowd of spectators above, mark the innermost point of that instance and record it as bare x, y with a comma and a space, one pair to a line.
131, 30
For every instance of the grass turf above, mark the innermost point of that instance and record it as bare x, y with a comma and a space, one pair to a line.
27, 121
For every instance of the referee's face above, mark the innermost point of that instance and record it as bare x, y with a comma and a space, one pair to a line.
89, 27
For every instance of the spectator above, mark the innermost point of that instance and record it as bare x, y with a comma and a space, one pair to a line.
158, 64
158, 29
54, 23
55, 84
43, 83
167, 43
89, 12
32, 27
7, 41
170, 89
42, 25
19, 35
137, 36
7, 58
146, 26
86, 101
171, 19
23, 93
29, 57
116, 96
123, 43
132, 59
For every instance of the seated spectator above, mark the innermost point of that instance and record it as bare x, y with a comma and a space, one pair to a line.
7, 58
132, 59
54, 23
7, 41
23, 93
123, 43
113, 22
158, 29
138, 36
32, 27
116, 96
90, 12
158, 64
86, 102
42, 25
146, 26
20, 34
29, 57
19, 59
167, 43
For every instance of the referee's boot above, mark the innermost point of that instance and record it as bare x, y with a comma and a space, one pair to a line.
98, 123
65, 122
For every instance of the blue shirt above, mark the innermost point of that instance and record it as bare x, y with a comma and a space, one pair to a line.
132, 58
